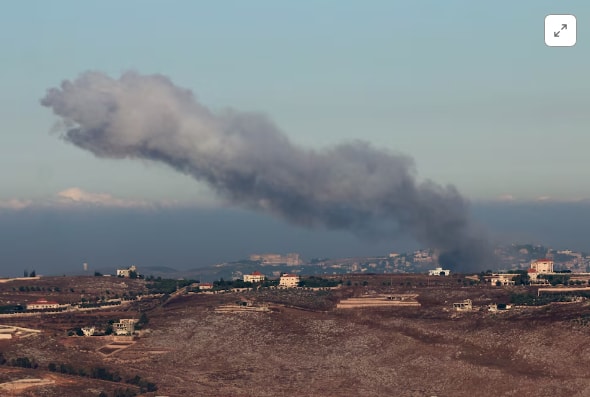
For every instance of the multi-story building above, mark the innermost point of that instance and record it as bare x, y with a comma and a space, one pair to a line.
125, 326
542, 266
255, 277
289, 280
127, 272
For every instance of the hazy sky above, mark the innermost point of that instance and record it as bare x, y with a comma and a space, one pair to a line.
466, 88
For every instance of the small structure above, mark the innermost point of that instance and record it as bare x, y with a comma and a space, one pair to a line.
125, 326
439, 271
127, 272
502, 279
465, 306
205, 286
43, 304
289, 280
255, 277
379, 301
499, 307
88, 331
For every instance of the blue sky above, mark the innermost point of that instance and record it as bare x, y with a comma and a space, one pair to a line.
468, 89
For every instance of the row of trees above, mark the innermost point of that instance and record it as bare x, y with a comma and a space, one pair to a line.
94, 372
103, 374
318, 282
22, 362
534, 300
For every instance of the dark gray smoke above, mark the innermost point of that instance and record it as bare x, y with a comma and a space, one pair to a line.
246, 159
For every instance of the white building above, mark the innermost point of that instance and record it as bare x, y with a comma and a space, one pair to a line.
255, 277
439, 271
203, 286
125, 326
289, 280
502, 279
88, 331
126, 272
542, 266
42, 304
465, 306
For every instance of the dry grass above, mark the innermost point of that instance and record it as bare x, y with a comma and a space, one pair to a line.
303, 347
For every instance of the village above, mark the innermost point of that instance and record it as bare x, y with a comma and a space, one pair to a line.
116, 320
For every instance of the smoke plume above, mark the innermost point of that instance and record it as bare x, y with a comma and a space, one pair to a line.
247, 160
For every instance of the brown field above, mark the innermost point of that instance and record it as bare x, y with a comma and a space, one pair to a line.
304, 347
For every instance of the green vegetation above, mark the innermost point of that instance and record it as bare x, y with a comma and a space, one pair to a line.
556, 279
144, 386
23, 362
9, 309
167, 286
533, 300
521, 277
102, 374
318, 282
143, 320
227, 285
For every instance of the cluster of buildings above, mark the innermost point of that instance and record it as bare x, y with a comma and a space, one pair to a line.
538, 272
292, 259
286, 280
124, 327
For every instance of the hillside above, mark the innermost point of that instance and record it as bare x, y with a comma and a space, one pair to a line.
303, 346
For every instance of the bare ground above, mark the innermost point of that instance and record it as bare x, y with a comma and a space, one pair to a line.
307, 348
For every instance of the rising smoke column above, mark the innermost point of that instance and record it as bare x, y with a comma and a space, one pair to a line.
247, 160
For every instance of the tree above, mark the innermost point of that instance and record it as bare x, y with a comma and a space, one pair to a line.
97, 274
133, 274
26, 273
33, 273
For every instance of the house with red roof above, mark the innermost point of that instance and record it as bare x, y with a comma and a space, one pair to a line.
255, 277
42, 304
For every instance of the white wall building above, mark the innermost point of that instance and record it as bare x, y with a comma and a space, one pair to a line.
466, 305
289, 280
439, 271
126, 272
542, 266
43, 304
125, 326
255, 277
502, 279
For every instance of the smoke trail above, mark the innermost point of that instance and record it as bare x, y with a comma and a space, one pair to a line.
246, 159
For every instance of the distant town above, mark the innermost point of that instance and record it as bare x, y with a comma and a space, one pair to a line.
101, 326
509, 258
